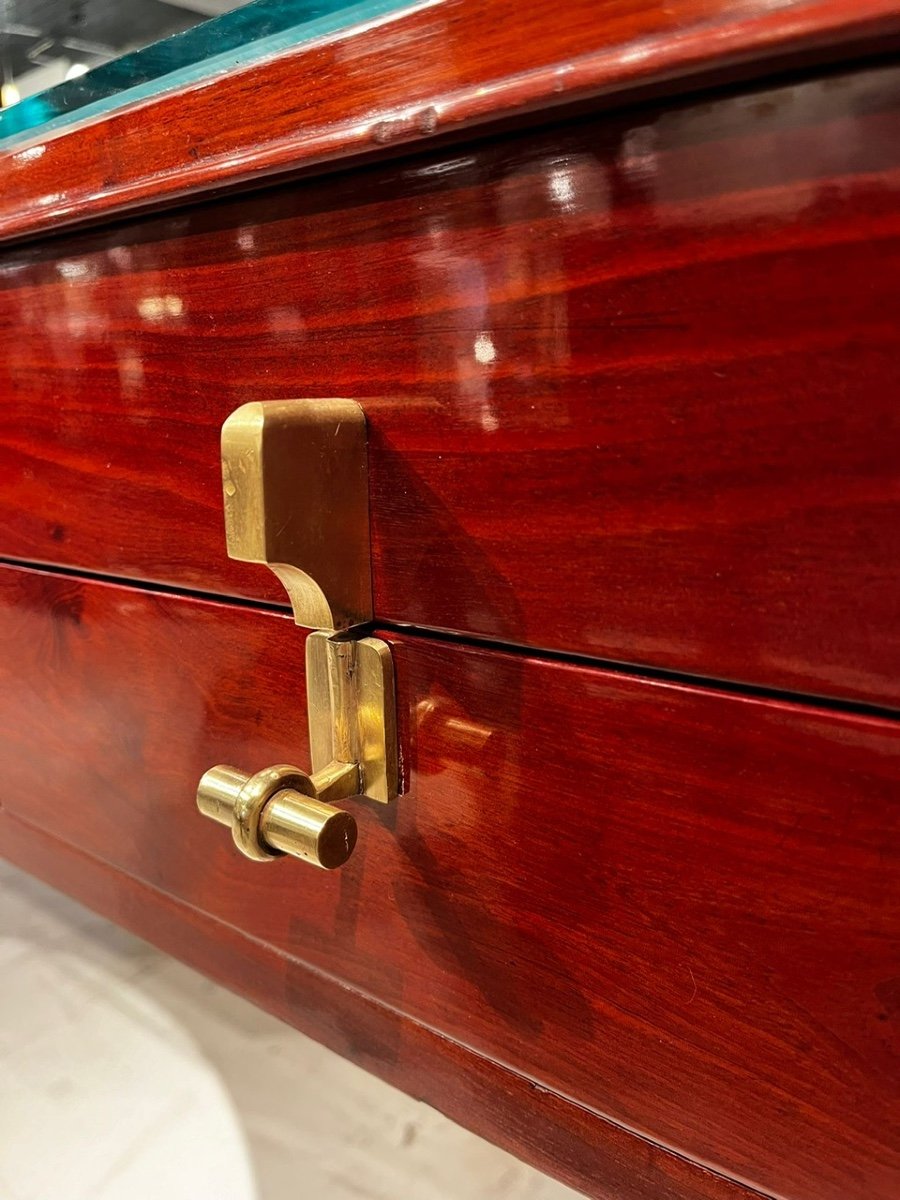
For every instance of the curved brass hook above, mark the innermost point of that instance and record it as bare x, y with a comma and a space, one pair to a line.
295, 481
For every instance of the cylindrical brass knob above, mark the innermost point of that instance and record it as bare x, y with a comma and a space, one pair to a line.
277, 811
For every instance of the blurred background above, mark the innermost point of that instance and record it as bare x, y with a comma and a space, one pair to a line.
47, 42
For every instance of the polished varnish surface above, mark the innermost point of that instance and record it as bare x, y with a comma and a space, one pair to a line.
631, 385
420, 73
676, 907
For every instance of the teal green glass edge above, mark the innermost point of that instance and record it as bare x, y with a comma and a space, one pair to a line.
214, 47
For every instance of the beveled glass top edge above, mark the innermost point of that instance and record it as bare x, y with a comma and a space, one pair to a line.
343, 17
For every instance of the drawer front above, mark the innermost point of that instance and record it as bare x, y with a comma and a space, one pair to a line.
631, 384
675, 907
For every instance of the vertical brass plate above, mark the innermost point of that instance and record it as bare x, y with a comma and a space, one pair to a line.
318, 702
371, 714
376, 709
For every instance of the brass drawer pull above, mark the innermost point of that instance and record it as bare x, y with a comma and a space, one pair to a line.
277, 811
293, 471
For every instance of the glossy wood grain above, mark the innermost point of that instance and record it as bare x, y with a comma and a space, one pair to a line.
677, 908
631, 384
439, 67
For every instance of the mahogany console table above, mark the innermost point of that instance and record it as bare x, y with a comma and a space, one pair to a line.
604, 568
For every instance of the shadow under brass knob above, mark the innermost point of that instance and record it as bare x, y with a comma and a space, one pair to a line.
282, 810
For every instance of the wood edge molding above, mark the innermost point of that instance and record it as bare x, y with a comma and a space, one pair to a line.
413, 76
558, 1137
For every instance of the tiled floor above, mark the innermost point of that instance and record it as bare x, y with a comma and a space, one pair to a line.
126, 1076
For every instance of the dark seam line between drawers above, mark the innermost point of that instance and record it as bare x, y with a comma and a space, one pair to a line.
368, 998
636, 670
145, 585
630, 670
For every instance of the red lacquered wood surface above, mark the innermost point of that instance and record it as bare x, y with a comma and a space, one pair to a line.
631, 385
435, 69
597, 1157
675, 907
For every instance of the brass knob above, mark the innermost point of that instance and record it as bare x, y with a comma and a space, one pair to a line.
282, 810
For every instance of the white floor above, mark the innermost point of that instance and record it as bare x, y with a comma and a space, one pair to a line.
126, 1076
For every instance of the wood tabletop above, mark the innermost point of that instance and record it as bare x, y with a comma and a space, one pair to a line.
427, 70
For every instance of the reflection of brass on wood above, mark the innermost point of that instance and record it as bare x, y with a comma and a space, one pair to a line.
295, 483
296, 490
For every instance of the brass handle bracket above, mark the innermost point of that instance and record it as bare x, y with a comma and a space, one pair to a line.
295, 485
352, 711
